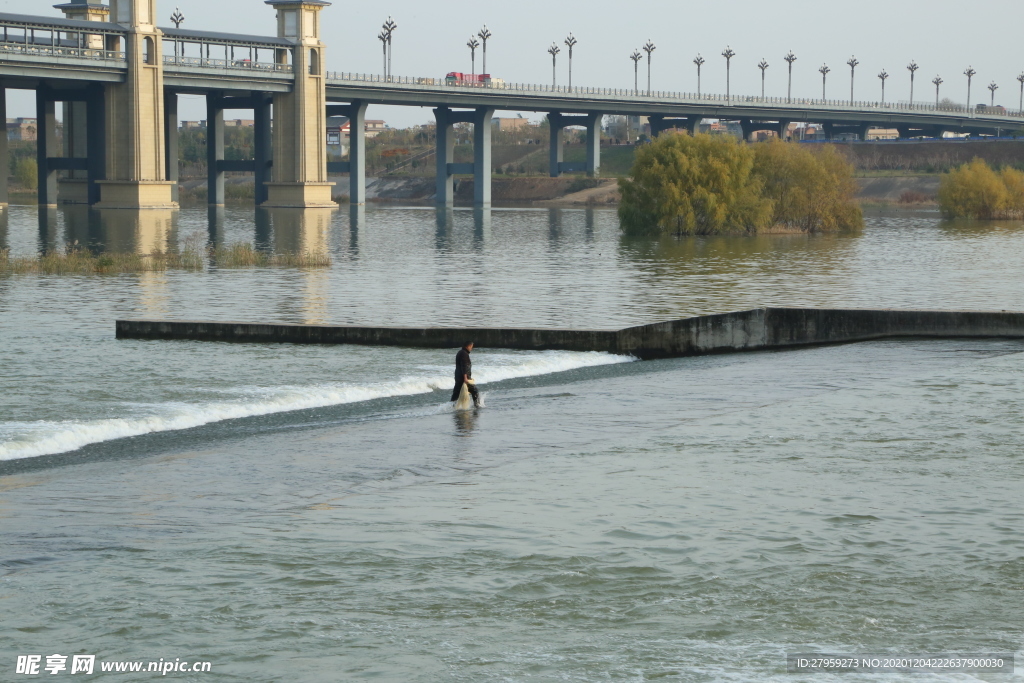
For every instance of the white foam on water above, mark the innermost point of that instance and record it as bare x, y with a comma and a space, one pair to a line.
33, 439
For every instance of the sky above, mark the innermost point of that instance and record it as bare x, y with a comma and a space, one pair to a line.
942, 36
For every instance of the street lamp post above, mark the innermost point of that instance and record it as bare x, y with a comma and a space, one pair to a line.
1020, 79
823, 70
992, 87
970, 73
636, 57
177, 18
473, 44
383, 38
882, 76
912, 68
763, 66
390, 27
728, 53
484, 34
789, 88
553, 51
570, 42
699, 61
649, 48
852, 61
937, 81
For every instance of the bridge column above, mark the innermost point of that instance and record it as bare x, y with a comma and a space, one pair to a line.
136, 173
214, 148
594, 144
356, 164
555, 149
264, 144
782, 127
862, 132
747, 126
4, 154
445, 155
96, 140
300, 116
171, 135
482, 156
46, 145
829, 130
657, 124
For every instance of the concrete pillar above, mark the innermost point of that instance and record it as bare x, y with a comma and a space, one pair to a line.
482, 156
657, 124
829, 130
594, 144
264, 144
357, 153
555, 151
96, 140
136, 166
693, 124
445, 155
214, 148
171, 140
781, 129
300, 116
862, 133
748, 128
5, 160
46, 146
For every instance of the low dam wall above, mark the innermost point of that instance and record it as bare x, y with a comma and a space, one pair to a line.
761, 328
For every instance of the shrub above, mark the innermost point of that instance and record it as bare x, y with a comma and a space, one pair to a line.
26, 172
976, 191
707, 185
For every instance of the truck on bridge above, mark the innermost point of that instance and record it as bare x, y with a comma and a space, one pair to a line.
479, 80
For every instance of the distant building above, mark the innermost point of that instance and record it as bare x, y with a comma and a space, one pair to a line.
339, 128
239, 123
883, 134
193, 125
21, 129
509, 124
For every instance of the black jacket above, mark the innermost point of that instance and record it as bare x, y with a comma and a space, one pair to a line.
463, 365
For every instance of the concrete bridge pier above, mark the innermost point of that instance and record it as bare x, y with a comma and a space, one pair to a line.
557, 122
46, 146
214, 149
171, 135
4, 155
355, 111
481, 165
659, 124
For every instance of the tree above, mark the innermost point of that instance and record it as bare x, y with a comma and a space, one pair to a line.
975, 190
27, 173
699, 185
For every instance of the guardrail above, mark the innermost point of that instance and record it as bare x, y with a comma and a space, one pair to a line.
61, 51
243, 64
668, 97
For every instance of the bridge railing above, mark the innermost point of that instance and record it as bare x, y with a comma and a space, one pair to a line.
244, 64
68, 39
660, 96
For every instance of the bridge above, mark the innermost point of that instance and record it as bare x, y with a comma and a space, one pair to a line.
118, 77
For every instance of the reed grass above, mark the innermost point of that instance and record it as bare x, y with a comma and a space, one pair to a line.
193, 257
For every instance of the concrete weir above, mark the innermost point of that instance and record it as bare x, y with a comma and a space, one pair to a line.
761, 328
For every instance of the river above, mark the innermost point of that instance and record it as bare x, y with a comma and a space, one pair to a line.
320, 514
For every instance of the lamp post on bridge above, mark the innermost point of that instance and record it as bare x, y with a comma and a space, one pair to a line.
699, 61
970, 73
636, 57
389, 29
1020, 79
882, 76
649, 48
852, 62
992, 87
763, 66
912, 68
473, 44
728, 53
484, 34
553, 51
790, 58
178, 18
937, 81
383, 38
823, 70
570, 42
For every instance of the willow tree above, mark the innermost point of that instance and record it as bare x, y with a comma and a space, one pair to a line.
701, 185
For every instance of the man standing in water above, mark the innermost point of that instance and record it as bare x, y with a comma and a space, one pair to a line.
464, 373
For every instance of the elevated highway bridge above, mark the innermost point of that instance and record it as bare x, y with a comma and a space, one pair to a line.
118, 77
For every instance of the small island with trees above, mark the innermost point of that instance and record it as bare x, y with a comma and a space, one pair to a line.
713, 185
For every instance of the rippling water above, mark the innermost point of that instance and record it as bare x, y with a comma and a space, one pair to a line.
318, 513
